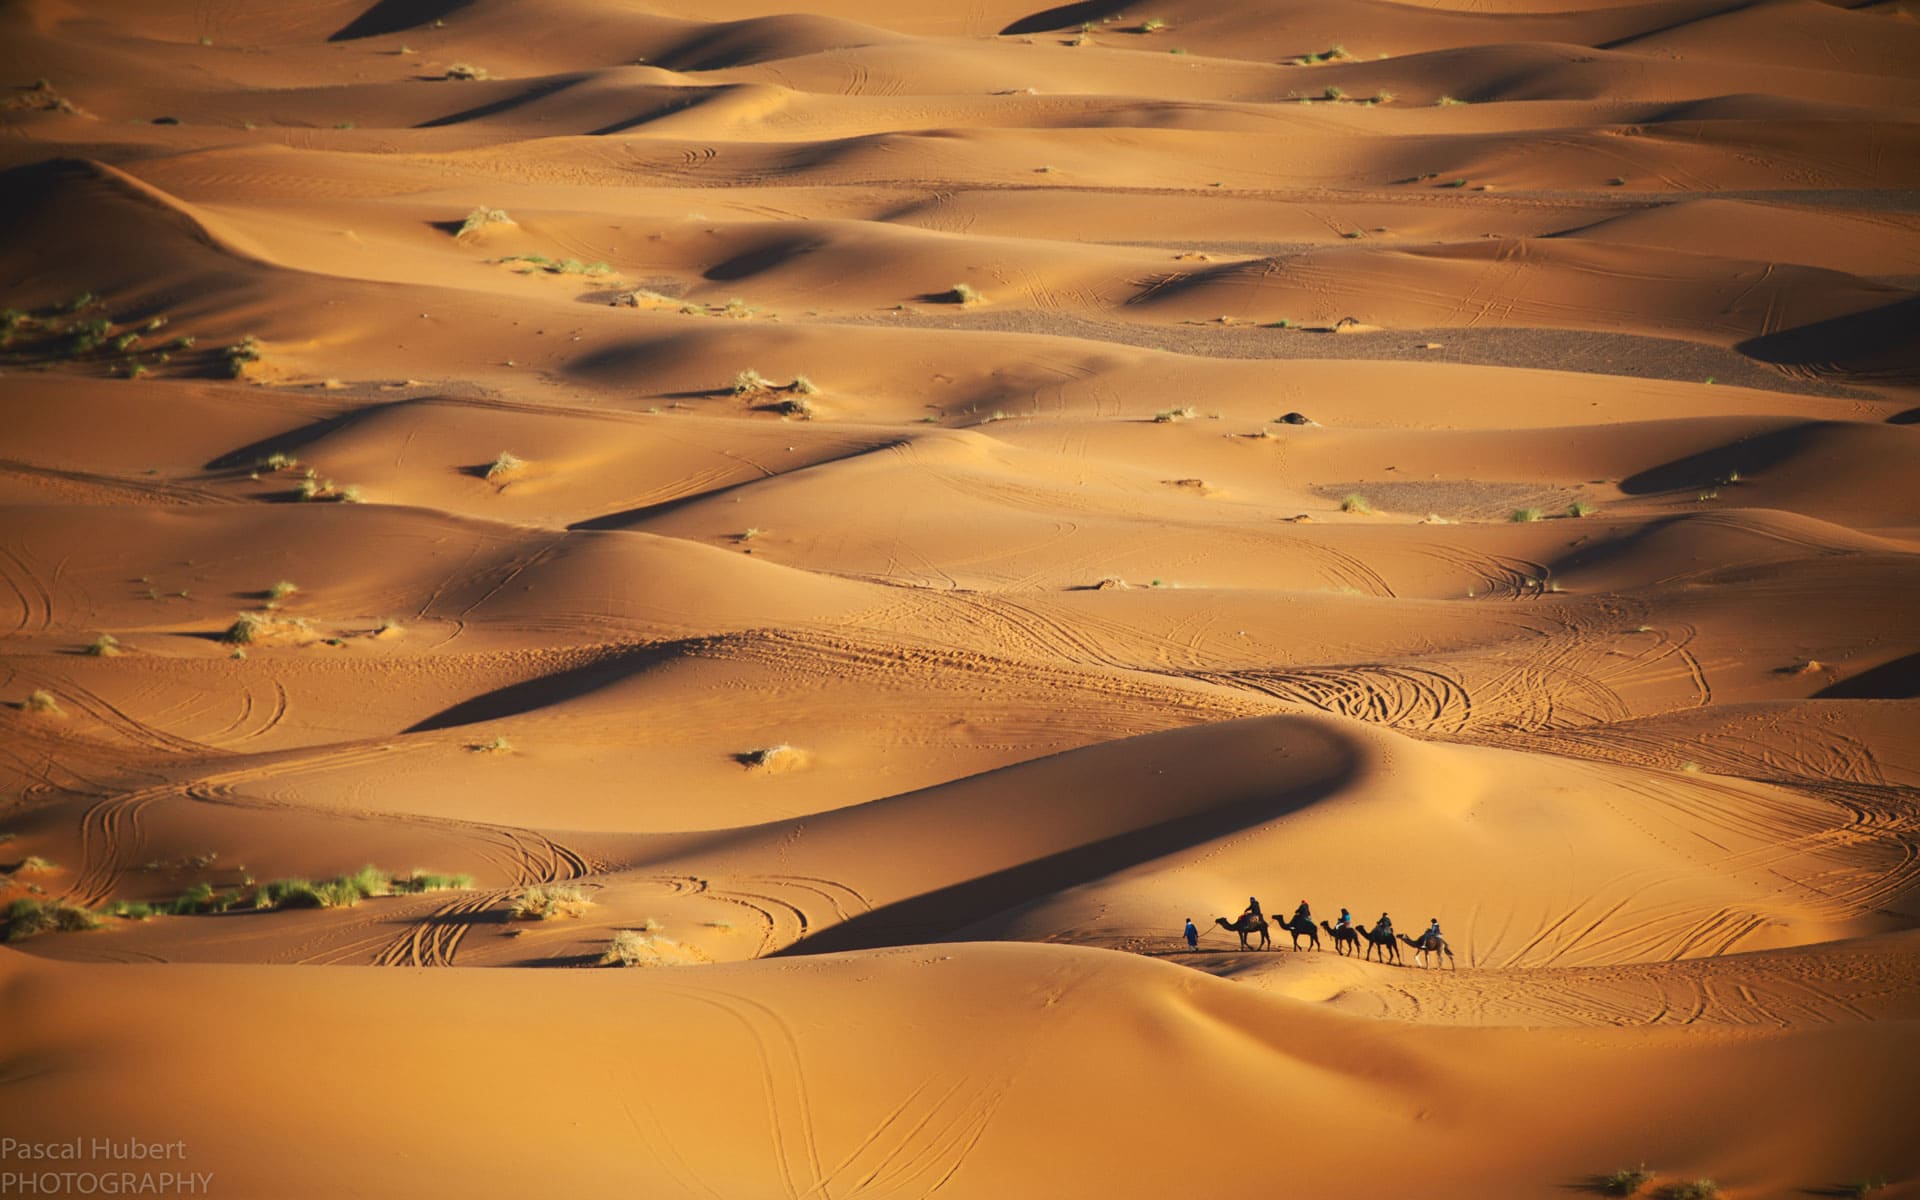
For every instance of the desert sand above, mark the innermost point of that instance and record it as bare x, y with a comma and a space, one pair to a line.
660, 599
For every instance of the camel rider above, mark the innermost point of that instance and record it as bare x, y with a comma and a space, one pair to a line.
1384, 926
1253, 910
1432, 936
1302, 915
1345, 921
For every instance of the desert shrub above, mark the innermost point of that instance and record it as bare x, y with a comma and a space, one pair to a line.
802, 386
27, 918
1865, 1187
1626, 1181
131, 910
337, 893
506, 464
499, 745
1580, 508
428, 881
198, 898
465, 71
35, 865
1523, 515
238, 355
245, 629
287, 893
281, 590
796, 406
547, 901
768, 757
965, 293
1170, 415
639, 948
1447, 102
1692, 1189
276, 462
736, 309
369, 881
480, 218
1152, 25
1354, 502
1334, 93
751, 382
41, 701
104, 646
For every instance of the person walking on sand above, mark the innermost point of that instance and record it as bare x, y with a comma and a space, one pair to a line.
1193, 935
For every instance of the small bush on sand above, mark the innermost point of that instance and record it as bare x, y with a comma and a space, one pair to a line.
1447, 102
1626, 1181
1866, 1187
1152, 25
506, 464
1354, 502
547, 901
796, 406
238, 355
802, 386
41, 701
280, 591
751, 383
196, 899
639, 948
1693, 1189
131, 910
465, 71
35, 865
1333, 93
1580, 508
429, 881
250, 628
104, 646
965, 293
286, 893
1523, 515
27, 918
498, 745
1170, 415
481, 218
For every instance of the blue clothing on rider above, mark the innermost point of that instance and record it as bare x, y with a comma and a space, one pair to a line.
1433, 931
1193, 935
1346, 919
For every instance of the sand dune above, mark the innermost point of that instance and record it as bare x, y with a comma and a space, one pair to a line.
874, 515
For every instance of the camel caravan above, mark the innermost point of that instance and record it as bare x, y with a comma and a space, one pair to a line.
1348, 935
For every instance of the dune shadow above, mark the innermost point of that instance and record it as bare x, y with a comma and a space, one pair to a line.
392, 16
1896, 680
1714, 467
546, 690
250, 454
935, 915
1063, 16
538, 91
1877, 345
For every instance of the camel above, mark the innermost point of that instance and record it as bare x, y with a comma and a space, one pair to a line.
1346, 939
1302, 928
1245, 925
1381, 941
1428, 943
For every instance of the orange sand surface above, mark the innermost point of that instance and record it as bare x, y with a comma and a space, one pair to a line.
871, 517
